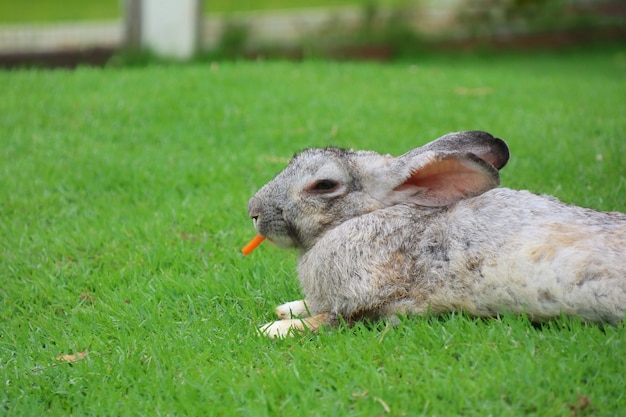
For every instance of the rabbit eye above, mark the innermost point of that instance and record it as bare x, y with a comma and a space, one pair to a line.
324, 186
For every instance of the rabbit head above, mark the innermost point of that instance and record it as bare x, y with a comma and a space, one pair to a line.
322, 188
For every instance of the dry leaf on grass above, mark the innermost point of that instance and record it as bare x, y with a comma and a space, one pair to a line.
384, 404
582, 407
85, 297
72, 358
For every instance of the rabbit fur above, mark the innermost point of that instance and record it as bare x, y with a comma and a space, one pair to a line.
429, 232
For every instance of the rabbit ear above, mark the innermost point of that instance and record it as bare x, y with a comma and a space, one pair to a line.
436, 179
482, 144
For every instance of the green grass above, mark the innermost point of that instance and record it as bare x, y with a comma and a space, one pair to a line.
123, 208
20, 11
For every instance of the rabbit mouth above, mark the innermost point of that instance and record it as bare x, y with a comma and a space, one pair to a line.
282, 241
282, 235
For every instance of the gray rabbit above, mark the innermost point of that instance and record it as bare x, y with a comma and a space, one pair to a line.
429, 232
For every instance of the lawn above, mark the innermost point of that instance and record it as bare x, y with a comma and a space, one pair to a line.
123, 198
20, 11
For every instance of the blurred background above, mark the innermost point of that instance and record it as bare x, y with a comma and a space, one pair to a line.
67, 33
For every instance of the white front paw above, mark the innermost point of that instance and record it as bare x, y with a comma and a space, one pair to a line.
292, 309
280, 329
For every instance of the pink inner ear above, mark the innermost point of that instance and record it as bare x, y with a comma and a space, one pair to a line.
443, 182
443, 174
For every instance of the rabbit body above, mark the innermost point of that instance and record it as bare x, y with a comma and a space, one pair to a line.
430, 232
551, 259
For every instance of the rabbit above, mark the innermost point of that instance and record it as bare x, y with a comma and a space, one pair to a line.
429, 232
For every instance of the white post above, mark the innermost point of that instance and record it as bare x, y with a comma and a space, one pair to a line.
171, 28
131, 10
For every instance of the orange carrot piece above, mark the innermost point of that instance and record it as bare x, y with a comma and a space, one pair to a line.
253, 244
